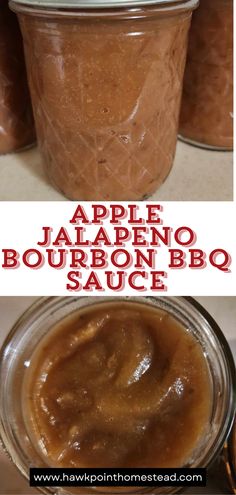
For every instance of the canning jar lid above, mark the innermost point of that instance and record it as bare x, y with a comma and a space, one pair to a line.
230, 458
97, 4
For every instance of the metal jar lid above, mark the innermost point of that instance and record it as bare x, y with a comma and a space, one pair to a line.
230, 458
97, 4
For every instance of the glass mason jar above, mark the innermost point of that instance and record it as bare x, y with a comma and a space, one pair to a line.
35, 324
206, 117
106, 83
16, 118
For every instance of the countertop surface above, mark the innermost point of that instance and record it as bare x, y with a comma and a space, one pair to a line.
223, 309
197, 175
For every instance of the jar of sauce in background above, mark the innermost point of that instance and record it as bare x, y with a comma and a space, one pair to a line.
206, 117
16, 118
106, 83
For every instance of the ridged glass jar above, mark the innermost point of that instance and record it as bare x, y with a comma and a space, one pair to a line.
206, 117
16, 117
106, 83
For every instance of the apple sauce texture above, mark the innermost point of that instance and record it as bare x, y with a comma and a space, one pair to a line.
117, 385
16, 117
106, 90
207, 107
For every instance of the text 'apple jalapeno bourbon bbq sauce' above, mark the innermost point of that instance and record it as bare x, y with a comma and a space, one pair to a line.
119, 385
106, 86
16, 118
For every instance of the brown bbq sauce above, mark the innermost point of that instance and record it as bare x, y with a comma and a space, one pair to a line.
207, 105
118, 385
106, 95
16, 118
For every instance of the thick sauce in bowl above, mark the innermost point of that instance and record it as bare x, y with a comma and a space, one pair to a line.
118, 385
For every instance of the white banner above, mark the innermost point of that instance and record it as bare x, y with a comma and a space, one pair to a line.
63, 248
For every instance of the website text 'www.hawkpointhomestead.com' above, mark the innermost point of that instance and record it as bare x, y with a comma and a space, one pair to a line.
117, 477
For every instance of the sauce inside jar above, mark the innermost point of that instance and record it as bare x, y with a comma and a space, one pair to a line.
118, 385
106, 88
16, 118
206, 116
